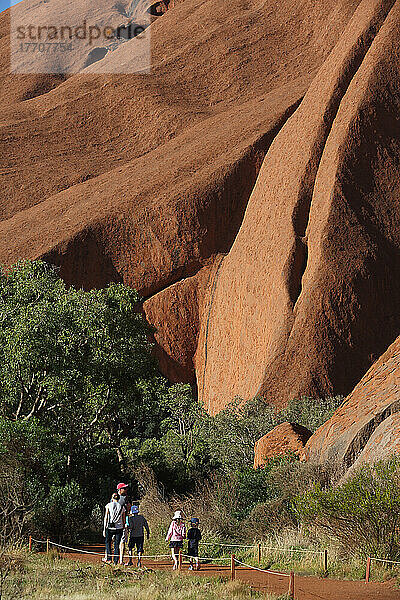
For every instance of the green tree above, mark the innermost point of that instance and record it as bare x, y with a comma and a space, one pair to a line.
232, 433
78, 383
78, 361
181, 456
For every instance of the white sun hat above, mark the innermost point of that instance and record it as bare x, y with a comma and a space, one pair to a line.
177, 515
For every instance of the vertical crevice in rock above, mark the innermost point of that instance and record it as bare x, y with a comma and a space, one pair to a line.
297, 267
301, 213
207, 327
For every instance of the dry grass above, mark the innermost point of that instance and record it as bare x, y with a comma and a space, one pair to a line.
49, 576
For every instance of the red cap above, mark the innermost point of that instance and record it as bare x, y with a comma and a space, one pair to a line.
121, 486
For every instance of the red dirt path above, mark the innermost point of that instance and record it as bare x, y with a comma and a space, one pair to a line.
306, 588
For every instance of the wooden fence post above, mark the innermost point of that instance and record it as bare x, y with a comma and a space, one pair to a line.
291, 585
30, 543
233, 567
47, 545
180, 561
368, 569
326, 560
259, 553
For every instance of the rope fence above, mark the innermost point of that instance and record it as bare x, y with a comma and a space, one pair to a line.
226, 545
290, 576
393, 562
263, 547
261, 570
206, 557
382, 560
260, 548
81, 551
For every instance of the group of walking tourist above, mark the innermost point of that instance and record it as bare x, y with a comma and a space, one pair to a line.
123, 524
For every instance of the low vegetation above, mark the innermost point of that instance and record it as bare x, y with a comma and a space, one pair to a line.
363, 513
295, 528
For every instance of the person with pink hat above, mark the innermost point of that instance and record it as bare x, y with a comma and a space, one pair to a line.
175, 536
122, 489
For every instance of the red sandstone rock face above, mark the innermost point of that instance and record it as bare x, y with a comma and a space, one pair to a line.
306, 295
366, 426
286, 437
280, 285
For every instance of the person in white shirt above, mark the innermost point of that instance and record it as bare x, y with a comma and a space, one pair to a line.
114, 521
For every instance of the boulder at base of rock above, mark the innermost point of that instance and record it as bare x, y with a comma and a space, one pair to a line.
383, 443
286, 437
355, 429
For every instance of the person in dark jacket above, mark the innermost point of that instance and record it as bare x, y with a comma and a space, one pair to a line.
194, 536
136, 526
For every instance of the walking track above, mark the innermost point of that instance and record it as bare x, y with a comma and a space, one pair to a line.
306, 588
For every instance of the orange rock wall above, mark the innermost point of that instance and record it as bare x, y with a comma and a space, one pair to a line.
306, 297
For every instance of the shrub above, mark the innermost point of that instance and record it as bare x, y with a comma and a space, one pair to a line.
287, 477
61, 511
232, 434
246, 488
269, 517
293, 477
310, 412
363, 512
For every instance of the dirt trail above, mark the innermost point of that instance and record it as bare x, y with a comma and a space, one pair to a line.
306, 588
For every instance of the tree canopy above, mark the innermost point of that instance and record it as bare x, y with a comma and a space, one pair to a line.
78, 361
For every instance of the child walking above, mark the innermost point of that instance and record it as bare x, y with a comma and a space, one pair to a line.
136, 525
176, 533
194, 536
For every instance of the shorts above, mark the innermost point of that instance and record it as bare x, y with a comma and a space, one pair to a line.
176, 544
138, 542
193, 550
